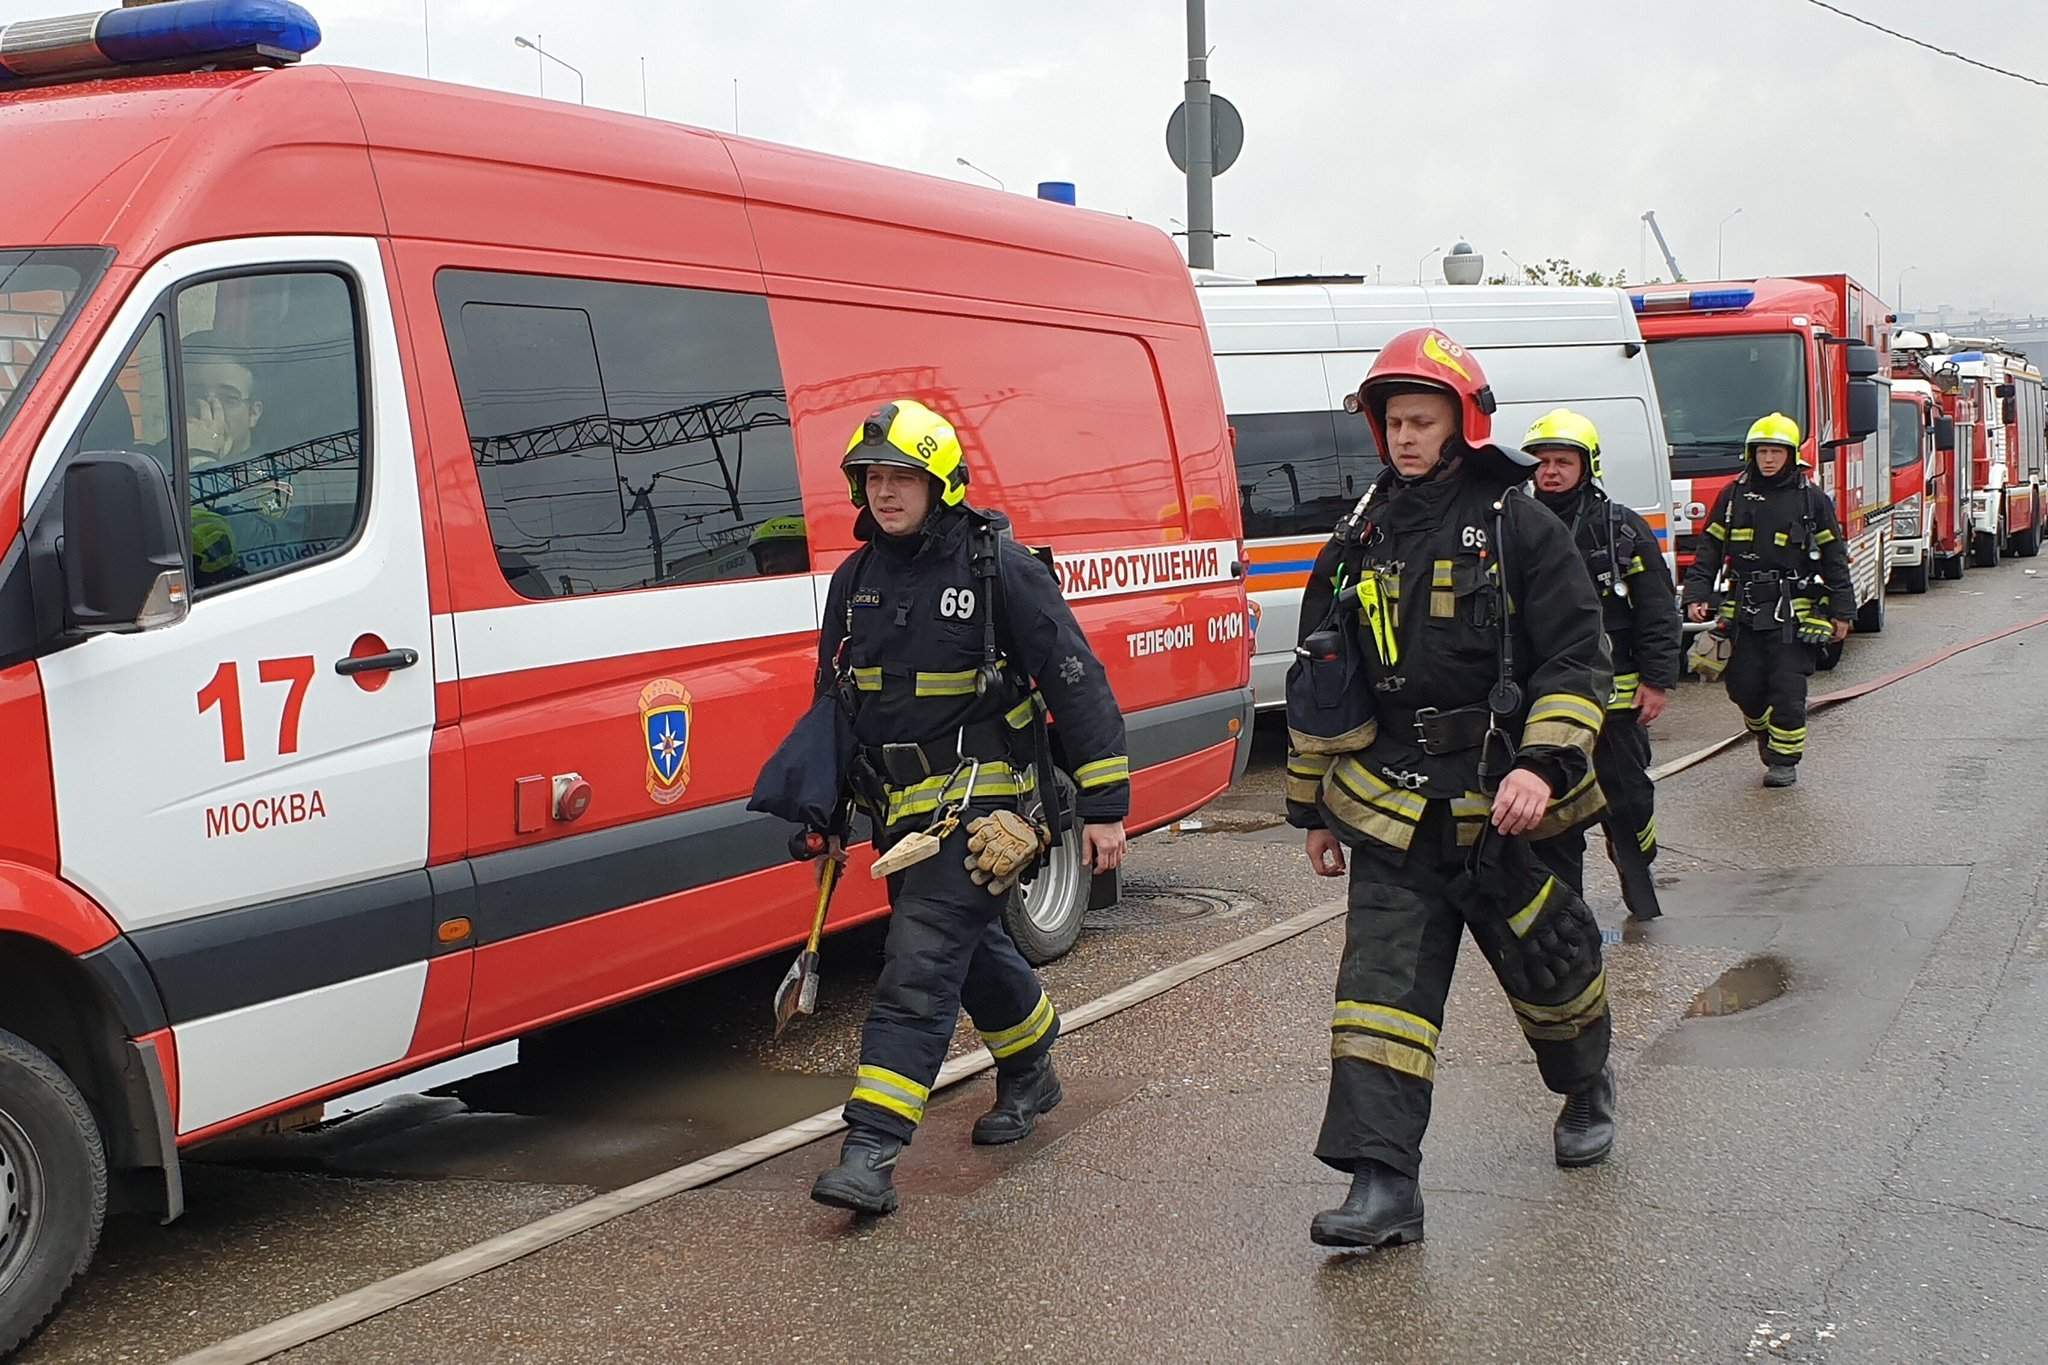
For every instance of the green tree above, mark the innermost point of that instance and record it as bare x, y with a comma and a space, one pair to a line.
1557, 270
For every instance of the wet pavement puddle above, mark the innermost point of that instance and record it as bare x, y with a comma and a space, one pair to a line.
1742, 987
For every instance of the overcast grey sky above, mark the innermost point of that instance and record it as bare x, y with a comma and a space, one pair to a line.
1376, 129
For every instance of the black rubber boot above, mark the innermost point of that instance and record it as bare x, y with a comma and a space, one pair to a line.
1384, 1209
1021, 1096
1780, 775
1584, 1133
864, 1179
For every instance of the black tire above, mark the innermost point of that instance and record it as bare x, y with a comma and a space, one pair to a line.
53, 1189
1984, 549
1870, 616
1045, 918
1952, 567
1828, 656
2028, 543
1913, 578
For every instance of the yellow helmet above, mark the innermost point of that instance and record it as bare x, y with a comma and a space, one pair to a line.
1563, 427
779, 528
906, 433
1775, 429
213, 541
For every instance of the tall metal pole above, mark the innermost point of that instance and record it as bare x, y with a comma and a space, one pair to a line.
427, 35
1879, 274
1201, 145
643, 87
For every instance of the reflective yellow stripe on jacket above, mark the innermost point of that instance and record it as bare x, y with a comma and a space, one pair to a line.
995, 779
1564, 721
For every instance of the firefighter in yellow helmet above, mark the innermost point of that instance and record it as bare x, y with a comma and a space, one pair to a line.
1773, 568
781, 545
1639, 610
939, 634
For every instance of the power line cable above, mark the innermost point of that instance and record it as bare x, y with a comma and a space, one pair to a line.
1909, 38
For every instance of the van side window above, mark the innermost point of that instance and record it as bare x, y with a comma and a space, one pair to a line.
625, 435
1295, 476
264, 433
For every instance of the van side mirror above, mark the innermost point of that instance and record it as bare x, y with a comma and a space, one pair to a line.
1861, 362
105, 554
1944, 434
2007, 391
1865, 398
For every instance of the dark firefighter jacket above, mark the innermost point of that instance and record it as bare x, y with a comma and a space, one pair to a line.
1783, 552
911, 612
1429, 560
1638, 601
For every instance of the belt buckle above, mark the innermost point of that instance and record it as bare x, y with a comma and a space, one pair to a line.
1423, 716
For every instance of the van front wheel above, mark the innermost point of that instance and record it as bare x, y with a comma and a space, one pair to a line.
1044, 918
53, 1188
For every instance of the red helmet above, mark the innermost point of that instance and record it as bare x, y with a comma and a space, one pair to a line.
1426, 357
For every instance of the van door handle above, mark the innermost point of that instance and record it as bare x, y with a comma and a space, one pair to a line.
389, 660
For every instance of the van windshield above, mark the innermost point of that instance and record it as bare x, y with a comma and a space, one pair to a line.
40, 292
1713, 388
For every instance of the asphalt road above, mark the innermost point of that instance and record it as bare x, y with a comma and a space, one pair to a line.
1834, 1143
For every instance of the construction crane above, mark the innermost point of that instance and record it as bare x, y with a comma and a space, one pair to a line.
1677, 275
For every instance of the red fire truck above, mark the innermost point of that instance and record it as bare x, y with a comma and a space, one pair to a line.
1931, 516
1811, 347
1997, 401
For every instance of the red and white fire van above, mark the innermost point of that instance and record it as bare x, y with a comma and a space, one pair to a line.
386, 647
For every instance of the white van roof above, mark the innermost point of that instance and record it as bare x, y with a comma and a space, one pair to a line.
1265, 319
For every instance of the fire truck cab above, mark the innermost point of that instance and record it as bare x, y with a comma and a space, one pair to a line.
1811, 347
1931, 483
416, 504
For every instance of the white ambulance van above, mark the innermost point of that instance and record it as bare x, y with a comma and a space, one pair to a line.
1287, 353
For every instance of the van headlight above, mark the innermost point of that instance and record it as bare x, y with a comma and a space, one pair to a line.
1906, 518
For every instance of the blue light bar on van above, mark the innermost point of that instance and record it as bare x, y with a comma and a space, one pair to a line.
1691, 300
176, 35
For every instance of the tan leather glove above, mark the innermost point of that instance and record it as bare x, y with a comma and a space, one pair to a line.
999, 847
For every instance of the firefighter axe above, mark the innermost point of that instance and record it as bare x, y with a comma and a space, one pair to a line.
798, 993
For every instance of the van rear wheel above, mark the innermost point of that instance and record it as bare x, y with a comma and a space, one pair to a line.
53, 1188
1044, 918
1870, 616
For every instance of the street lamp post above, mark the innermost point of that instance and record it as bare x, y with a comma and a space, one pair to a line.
1901, 303
551, 57
1719, 274
1275, 254
1879, 232
979, 171
1419, 261
1519, 266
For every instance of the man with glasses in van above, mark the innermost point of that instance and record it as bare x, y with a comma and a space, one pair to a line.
238, 527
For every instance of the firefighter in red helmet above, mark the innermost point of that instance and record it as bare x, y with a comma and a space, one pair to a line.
1442, 710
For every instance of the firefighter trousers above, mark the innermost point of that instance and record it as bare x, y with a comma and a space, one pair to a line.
1622, 760
1401, 939
1766, 680
946, 950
